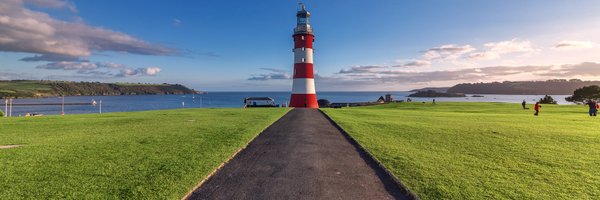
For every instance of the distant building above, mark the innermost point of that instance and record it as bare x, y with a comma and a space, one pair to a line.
381, 100
259, 102
388, 98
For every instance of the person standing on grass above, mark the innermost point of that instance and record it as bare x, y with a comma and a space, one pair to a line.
537, 108
593, 107
597, 107
524, 103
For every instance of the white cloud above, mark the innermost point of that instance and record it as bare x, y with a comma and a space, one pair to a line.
509, 46
100, 69
414, 63
571, 44
275, 74
495, 50
30, 31
369, 76
176, 22
68, 65
448, 51
56, 4
484, 56
149, 71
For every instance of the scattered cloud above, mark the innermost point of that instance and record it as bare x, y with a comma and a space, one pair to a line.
494, 50
31, 31
449, 51
55, 4
415, 63
509, 46
582, 69
571, 44
176, 22
149, 71
67, 65
99, 69
484, 56
370, 75
15, 76
274, 74
361, 69
51, 58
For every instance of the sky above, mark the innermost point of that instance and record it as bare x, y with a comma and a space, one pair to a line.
227, 45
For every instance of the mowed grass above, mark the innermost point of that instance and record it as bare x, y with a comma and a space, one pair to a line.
482, 150
136, 155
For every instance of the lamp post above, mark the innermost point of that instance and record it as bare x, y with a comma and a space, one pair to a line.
10, 107
62, 107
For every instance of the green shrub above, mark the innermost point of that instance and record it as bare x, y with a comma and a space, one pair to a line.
547, 100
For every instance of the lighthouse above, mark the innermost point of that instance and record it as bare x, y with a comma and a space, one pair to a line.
303, 88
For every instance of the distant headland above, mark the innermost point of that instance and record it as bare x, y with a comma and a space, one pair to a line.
549, 87
35, 88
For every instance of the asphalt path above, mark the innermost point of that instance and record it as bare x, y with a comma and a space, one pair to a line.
301, 156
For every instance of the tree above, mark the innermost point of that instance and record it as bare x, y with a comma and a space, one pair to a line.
585, 93
323, 103
547, 100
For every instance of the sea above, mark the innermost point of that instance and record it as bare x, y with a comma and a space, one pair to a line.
225, 100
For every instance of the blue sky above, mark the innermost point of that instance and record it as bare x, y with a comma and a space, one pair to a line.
360, 45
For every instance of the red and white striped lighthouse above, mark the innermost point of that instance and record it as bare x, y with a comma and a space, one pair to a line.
303, 88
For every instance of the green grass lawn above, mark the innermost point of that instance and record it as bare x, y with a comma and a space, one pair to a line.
135, 155
482, 150
22, 88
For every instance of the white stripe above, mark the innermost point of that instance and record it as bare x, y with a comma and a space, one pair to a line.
306, 53
303, 86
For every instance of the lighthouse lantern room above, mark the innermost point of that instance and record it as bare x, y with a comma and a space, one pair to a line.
303, 88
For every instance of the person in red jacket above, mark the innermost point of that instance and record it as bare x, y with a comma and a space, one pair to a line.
537, 108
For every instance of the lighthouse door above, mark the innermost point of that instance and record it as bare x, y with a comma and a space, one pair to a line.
305, 102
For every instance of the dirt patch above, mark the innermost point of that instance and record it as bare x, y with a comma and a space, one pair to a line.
10, 146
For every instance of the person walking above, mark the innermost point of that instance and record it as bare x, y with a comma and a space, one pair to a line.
593, 107
524, 103
537, 108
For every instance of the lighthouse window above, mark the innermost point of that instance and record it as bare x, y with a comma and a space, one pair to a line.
303, 48
303, 37
302, 59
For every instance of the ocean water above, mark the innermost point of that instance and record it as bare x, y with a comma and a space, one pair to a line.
226, 100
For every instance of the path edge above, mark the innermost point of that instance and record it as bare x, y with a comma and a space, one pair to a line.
211, 174
410, 194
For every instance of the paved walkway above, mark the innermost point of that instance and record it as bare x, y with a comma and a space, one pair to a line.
301, 156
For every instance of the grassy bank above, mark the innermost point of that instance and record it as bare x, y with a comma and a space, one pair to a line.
137, 155
482, 150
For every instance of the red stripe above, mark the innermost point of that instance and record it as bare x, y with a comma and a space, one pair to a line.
306, 43
303, 70
304, 101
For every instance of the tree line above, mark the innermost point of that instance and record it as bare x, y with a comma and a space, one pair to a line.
27, 88
549, 87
